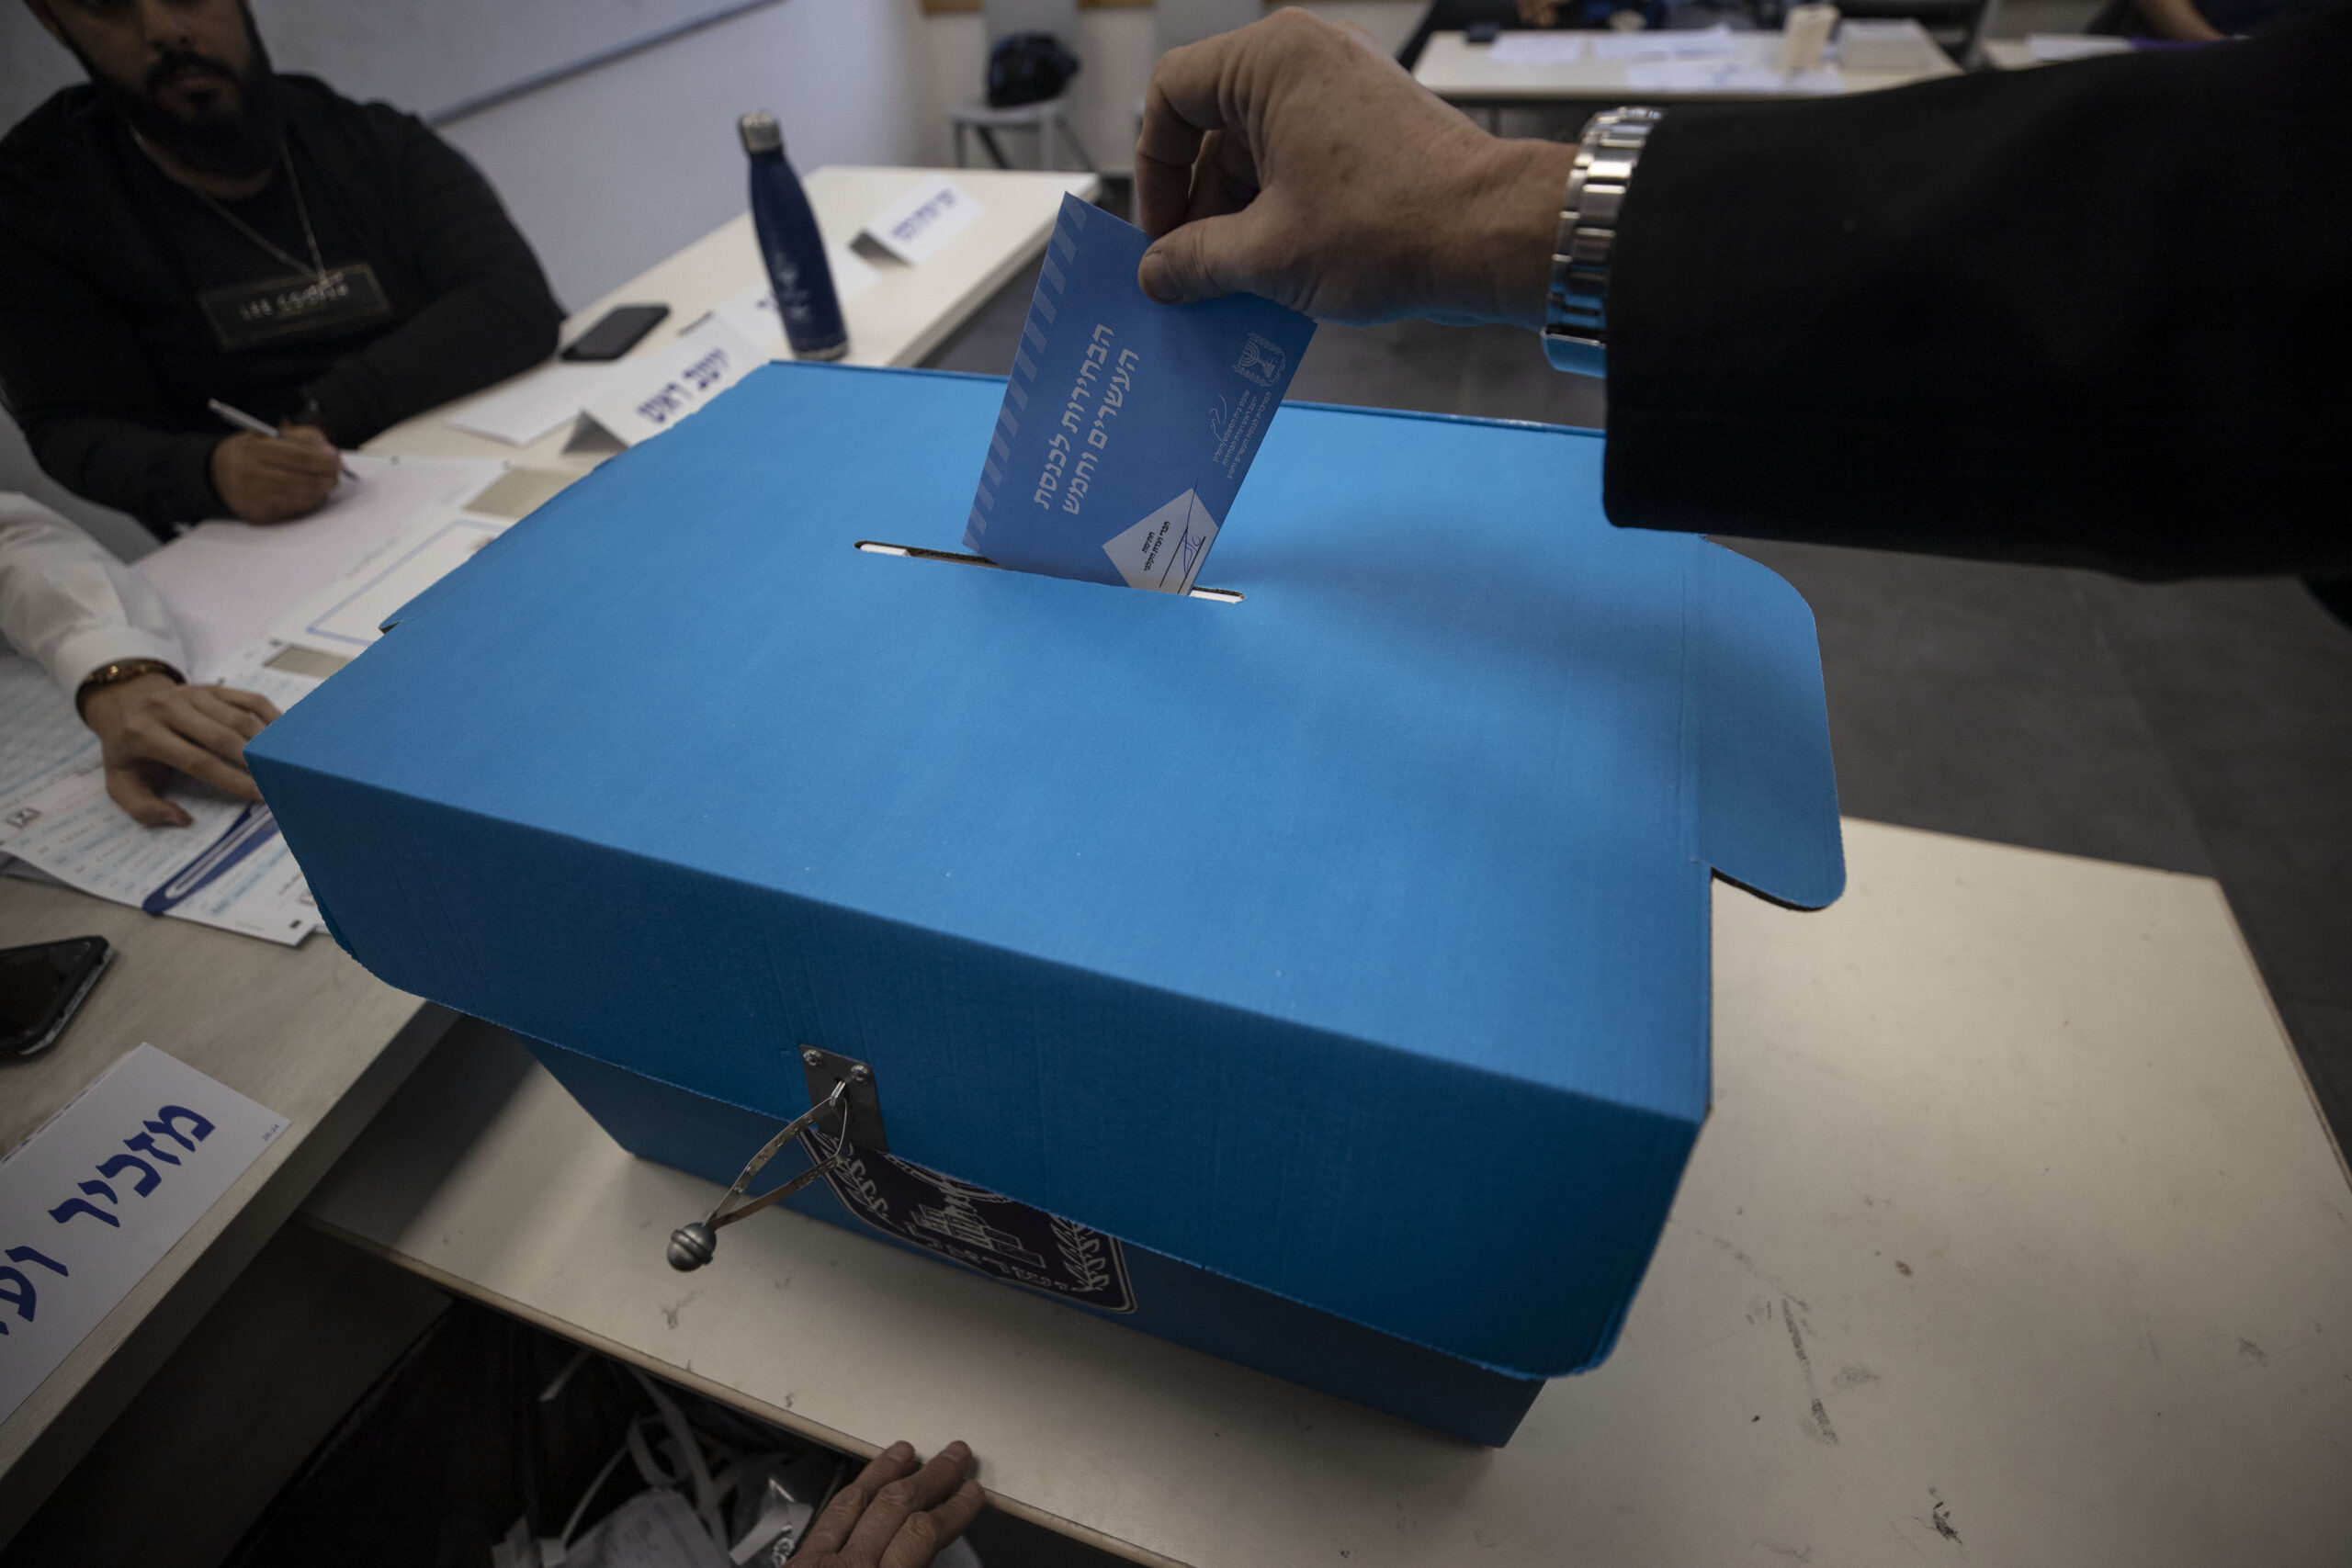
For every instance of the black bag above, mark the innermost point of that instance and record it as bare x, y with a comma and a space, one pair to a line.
1028, 67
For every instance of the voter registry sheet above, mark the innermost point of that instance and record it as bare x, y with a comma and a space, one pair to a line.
1127, 425
232, 590
229, 869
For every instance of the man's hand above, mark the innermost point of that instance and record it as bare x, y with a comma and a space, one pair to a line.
894, 1516
149, 727
271, 479
1293, 160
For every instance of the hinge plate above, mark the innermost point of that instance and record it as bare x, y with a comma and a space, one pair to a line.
825, 1068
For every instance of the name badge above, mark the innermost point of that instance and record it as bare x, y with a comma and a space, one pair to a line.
244, 315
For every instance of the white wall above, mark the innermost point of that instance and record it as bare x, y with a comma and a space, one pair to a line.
425, 55
609, 172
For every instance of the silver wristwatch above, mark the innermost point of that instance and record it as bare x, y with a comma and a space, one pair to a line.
1576, 316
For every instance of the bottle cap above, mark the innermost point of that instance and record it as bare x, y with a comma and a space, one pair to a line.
760, 133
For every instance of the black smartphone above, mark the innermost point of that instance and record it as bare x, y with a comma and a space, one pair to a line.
617, 333
41, 986
1482, 32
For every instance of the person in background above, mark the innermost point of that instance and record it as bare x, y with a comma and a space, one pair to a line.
1960, 318
191, 225
106, 638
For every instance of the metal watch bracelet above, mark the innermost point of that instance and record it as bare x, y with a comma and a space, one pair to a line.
1576, 314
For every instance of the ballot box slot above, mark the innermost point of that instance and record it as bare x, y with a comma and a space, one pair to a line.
842, 1095
916, 552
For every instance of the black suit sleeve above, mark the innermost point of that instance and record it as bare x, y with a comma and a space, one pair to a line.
491, 316
79, 383
2097, 315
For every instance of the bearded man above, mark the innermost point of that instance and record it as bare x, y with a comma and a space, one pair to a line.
191, 225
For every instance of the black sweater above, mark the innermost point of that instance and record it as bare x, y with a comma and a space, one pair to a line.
2097, 315
106, 359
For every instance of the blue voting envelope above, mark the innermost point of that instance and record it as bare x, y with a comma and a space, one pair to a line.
1318, 978
1126, 427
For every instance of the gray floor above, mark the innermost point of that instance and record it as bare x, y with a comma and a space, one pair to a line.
2202, 727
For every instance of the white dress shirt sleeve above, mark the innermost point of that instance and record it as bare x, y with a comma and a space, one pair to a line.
68, 603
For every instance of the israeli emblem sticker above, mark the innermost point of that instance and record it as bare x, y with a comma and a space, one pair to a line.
979, 1228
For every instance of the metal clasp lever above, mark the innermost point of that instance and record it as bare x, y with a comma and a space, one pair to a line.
691, 1245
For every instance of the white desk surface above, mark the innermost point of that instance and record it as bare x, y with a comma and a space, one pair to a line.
2013, 1235
2016, 53
1463, 72
304, 1031
899, 321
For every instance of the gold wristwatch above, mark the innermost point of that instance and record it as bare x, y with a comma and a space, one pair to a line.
116, 673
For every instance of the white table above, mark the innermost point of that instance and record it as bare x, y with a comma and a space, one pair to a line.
2014, 1227
2017, 53
307, 1032
899, 320
1464, 73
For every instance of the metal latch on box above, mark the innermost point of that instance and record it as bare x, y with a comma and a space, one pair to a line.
840, 1090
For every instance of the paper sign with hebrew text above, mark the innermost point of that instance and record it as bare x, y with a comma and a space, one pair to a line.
94, 1199
666, 387
1127, 425
929, 215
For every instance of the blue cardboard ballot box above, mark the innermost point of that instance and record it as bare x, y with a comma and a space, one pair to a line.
1319, 979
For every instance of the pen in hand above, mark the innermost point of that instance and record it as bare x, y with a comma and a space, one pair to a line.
234, 415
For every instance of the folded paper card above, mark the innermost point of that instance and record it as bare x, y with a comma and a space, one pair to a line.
1127, 425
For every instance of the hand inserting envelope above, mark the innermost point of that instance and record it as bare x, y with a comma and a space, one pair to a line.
1127, 425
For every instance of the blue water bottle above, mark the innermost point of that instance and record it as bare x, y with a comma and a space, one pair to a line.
791, 245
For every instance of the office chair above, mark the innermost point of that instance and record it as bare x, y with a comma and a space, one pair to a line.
1004, 18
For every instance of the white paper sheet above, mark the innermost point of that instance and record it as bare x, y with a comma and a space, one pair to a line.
344, 617
1536, 49
228, 583
39, 731
1698, 44
1718, 76
535, 405
96, 1198
2073, 46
